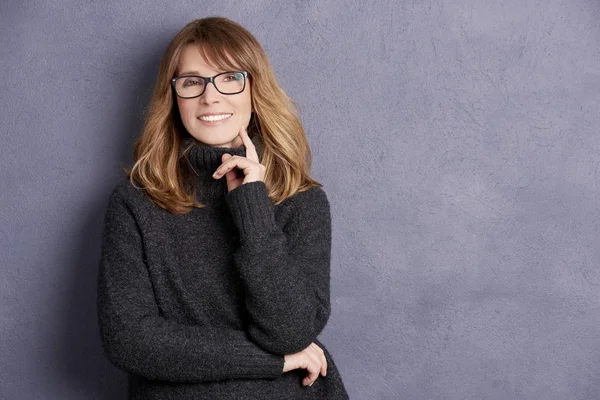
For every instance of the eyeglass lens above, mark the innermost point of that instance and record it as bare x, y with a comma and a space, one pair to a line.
227, 83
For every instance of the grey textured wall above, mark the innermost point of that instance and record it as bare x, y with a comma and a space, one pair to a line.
457, 142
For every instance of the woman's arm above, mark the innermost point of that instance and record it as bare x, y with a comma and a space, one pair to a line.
286, 278
138, 339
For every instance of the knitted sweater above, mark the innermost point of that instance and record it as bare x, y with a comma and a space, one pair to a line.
204, 305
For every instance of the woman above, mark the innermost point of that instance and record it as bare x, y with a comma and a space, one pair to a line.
214, 274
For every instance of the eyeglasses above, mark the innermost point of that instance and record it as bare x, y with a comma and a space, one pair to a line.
190, 86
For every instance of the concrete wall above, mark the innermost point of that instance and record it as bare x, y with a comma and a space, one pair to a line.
458, 145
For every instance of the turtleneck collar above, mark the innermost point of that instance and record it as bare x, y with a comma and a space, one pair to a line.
203, 160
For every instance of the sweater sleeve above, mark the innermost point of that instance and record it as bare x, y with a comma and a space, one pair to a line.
287, 276
139, 340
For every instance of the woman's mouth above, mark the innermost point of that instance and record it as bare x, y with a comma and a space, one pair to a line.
214, 118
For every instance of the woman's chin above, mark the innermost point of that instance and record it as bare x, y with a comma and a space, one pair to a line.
212, 139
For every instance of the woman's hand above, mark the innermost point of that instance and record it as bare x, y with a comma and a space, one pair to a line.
253, 170
311, 359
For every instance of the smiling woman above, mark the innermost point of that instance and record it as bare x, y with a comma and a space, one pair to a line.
215, 267
212, 114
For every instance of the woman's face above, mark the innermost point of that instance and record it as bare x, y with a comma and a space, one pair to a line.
236, 108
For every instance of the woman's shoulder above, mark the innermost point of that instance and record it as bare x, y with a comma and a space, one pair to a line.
311, 197
310, 203
308, 214
125, 190
126, 195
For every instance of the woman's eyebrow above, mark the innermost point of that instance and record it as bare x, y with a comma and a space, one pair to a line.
190, 73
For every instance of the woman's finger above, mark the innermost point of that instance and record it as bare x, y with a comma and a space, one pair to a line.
231, 163
313, 373
322, 357
316, 364
250, 148
233, 181
323, 361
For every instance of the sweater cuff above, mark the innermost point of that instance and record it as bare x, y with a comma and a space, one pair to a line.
251, 209
270, 365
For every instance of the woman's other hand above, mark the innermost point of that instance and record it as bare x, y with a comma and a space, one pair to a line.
251, 167
311, 359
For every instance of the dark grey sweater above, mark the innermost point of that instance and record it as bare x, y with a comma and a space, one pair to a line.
204, 305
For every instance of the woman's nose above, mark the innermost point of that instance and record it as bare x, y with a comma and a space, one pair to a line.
211, 94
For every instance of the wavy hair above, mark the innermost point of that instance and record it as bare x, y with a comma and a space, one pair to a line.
158, 163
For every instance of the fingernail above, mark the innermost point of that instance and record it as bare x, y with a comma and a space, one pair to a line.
311, 383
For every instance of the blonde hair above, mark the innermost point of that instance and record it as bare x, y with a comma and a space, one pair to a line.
158, 164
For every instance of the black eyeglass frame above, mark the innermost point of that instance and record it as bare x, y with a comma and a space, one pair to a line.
207, 81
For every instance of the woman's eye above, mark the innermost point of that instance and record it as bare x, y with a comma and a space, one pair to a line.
231, 77
191, 82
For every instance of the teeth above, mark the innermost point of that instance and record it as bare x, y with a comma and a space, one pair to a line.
212, 118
